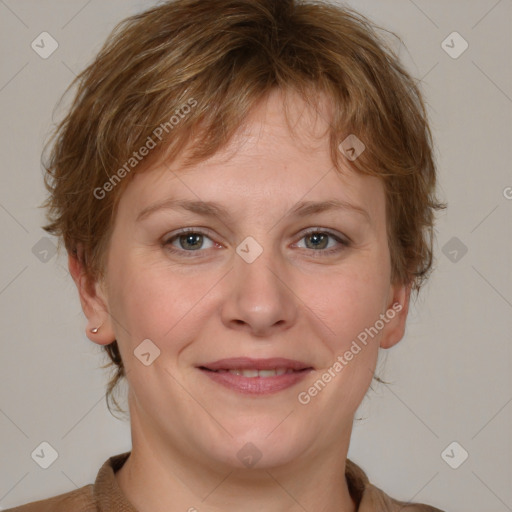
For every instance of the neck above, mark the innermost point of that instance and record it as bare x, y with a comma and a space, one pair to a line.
167, 480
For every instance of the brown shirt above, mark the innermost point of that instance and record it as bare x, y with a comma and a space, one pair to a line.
106, 496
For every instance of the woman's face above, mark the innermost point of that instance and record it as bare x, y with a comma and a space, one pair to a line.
262, 274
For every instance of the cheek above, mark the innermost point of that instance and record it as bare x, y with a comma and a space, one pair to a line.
156, 301
348, 301
347, 312
356, 299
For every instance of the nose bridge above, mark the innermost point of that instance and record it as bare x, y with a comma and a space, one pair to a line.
258, 301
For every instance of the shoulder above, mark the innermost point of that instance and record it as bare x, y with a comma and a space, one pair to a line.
79, 500
90, 498
372, 499
377, 499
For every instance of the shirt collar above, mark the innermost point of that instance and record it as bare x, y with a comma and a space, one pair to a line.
110, 498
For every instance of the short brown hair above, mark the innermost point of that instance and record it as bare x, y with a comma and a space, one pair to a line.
226, 56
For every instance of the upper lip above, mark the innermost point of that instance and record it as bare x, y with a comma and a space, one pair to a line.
245, 363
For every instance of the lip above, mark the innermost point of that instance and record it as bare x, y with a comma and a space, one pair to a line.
256, 385
245, 363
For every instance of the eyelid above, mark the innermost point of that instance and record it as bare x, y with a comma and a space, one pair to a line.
183, 231
301, 234
342, 240
335, 234
343, 243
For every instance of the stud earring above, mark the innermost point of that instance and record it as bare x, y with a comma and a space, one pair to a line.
94, 330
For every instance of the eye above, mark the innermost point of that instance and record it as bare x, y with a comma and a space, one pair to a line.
324, 242
188, 241
319, 242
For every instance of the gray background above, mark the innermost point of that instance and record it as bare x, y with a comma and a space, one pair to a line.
451, 374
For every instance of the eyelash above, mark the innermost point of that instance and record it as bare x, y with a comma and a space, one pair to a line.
320, 253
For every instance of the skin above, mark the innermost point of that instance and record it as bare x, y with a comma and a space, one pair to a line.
187, 429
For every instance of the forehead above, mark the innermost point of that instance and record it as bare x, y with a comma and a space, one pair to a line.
280, 156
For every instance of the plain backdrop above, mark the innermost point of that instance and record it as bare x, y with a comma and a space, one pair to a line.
450, 375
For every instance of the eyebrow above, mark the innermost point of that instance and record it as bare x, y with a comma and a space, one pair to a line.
211, 209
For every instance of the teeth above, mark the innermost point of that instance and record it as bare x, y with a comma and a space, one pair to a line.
244, 373
261, 373
267, 373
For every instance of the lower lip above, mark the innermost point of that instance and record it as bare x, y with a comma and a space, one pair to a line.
257, 385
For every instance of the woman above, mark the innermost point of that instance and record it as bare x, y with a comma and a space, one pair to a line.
246, 192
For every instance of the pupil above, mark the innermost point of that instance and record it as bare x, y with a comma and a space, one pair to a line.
195, 240
189, 239
318, 237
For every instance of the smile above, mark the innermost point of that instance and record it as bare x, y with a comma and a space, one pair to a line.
253, 372
256, 376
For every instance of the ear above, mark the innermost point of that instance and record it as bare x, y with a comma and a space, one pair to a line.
396, 315
94, 303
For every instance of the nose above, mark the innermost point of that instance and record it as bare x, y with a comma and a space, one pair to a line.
260, 298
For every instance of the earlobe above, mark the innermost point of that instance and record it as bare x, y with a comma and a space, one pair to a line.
396, 313
99, 326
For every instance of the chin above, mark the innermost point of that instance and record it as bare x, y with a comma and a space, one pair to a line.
267, 445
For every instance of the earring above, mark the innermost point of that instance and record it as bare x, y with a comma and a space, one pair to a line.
94, 330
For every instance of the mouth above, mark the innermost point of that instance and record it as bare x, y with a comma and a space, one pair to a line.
253, 372
256, 376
